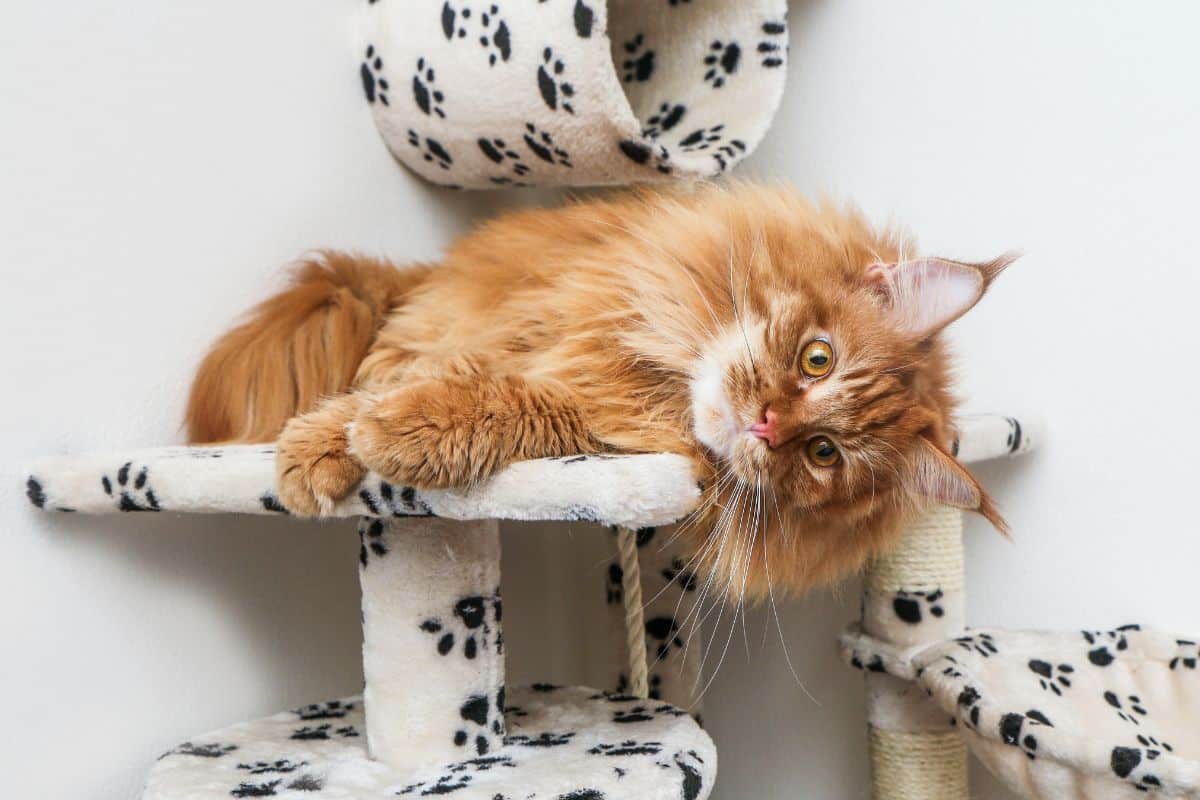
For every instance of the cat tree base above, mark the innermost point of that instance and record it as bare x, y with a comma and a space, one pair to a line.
562, 742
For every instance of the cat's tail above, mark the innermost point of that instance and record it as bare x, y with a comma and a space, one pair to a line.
295, 348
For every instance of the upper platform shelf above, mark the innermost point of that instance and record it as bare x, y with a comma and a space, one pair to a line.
631, 491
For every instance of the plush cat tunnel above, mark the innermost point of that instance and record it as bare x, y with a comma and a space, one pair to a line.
492, 93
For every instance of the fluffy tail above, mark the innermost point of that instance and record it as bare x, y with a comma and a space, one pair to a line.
295, 348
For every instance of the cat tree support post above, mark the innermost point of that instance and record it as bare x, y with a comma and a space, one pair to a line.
914, 596
431, 618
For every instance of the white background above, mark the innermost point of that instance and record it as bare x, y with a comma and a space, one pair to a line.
161, 161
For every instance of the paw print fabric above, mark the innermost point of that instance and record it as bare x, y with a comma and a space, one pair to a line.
433, 645
562, 743
1094, 714
501, 93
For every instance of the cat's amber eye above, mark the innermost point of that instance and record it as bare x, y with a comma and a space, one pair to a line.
816, 359
822, 451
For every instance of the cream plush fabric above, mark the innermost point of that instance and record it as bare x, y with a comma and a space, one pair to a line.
1081, 714
491, 93
562, 744
628, 490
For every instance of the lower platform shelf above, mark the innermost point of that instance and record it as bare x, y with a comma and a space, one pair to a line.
563, 743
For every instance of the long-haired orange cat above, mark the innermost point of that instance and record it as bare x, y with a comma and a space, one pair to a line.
792, 352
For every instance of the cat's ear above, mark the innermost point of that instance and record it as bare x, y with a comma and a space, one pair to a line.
937, 476
924, 295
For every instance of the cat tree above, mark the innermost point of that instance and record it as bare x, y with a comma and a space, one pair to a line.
1091, 714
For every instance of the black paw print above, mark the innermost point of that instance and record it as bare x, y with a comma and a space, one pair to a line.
678, 571
1015, 731
1188, 655
544, 739
614, 587
693, 782
270, 502
370, 540
433, 152
457, 776
1153, 746
333, 709
664, 631
981, 643
454, 21
1052, 677
443, 785
584, 18
35, 492
388, 502
304, 783
771, 49
907, 605
281, 767
213, 750
1130, 710
477, 632
1105, 642
727, 153
483, 714
135, 495
498, 152
310, 733
541, 144
555, 91
425, 92
375, 86
875, 664
1124, 760
667, 117
641, 153
701, 138
635, 714
307, 783
639, 63
494, 35
968, 701
629, 747
721, 62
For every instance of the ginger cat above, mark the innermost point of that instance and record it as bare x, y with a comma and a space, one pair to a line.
791, 351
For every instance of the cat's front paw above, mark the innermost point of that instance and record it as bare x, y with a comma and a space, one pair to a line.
313, 466
423, 436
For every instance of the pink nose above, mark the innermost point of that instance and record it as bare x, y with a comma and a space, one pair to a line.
767, 429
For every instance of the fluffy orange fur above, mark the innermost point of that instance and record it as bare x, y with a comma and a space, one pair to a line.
652, 322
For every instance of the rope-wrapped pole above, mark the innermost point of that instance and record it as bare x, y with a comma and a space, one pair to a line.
635, 618
915, 596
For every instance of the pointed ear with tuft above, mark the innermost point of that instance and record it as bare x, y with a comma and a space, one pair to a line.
924, 295
938, 477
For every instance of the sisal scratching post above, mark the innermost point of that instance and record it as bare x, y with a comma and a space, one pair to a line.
914, 596
433, 656
651, 594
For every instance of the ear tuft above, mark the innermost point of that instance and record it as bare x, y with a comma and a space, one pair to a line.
927, 294
939, 477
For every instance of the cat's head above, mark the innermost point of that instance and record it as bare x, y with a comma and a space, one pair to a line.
824, 396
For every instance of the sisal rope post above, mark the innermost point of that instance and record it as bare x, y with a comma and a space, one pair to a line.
915, 596
635, 622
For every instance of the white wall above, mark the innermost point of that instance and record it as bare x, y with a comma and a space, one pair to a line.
161, 160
